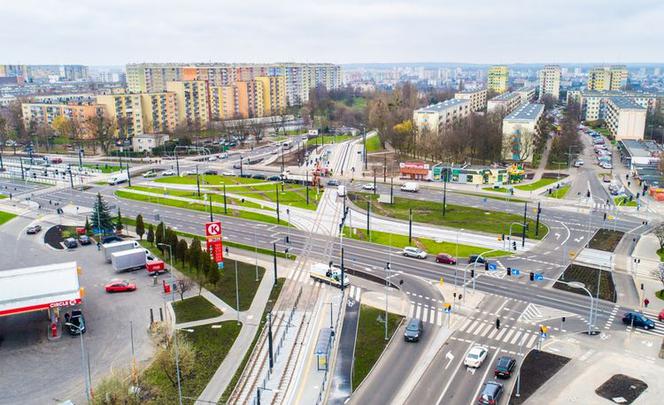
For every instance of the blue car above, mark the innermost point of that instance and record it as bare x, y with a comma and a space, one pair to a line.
638, 320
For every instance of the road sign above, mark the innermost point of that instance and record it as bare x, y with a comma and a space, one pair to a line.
447, 307
515, 272
492, 266
539, 277
216, 250
572, 254
213, 229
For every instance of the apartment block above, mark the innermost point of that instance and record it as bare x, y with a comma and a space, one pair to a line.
44, 113
505, 103
240, 100
274, 94
625, 118
526, 94
497, 79
438, 116
191, 99
605, 78
159, 112
593, 103
519, 130
477, 98
549, 81
126, 110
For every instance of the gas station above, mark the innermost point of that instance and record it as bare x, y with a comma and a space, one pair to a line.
50, 288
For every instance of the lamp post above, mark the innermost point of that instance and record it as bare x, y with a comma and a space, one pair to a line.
387, 278
237, 291
175, 334
86, 371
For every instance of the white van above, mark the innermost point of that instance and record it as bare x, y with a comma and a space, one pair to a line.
341, 190
410, 187
118, 178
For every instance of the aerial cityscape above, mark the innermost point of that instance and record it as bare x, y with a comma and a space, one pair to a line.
332, 203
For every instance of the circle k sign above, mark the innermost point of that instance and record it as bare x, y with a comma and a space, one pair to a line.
213, 228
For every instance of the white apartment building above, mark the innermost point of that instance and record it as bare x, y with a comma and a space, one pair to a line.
477, 98
549, 81
625, 118
526, 93
519, 130
593, 103
437, 116
506, 102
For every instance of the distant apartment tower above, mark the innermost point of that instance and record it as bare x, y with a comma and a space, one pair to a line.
244, 99
126, 110
549, 81
191, 100
625, 118
505, 103
519, 130
14, 71
75, 73
607, 78
436, 117
497, 79
274, 94
526, 94
477, 98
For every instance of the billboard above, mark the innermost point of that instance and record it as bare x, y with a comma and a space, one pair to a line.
214, 245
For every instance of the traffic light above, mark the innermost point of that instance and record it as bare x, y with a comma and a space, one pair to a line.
509, 271
605, 216
514, 244
563, 319
588, 194
502, 236
472, 273
454, 295
287, 239
486, 265
532, 276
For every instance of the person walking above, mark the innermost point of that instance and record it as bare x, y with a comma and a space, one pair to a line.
646, 302
497, 323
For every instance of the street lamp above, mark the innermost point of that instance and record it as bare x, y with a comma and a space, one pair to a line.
237, 291
175, 333
86, 371
456, 257
580, 286
387, 278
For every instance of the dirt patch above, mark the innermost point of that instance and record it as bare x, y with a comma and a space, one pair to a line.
534, 374
588, 276
620, 387
606, 240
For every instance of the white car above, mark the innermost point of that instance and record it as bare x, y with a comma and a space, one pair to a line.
212, 158
476, 356
410, 251
187, 173
578, 163
168, 173
368, 186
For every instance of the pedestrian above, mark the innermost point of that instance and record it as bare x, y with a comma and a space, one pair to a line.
497, 323
98, 245
646, 302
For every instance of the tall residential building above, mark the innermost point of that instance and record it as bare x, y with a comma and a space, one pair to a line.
244, 99
43, 113
126, 110
14, 71
191, 100
505, 103
519, 130
274, 94
625, 119
438, 116
607, 78
497, 79
159, 112
477, 98
75, 73
526, 94
549, 81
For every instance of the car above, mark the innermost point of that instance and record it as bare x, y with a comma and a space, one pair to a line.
228, 173
150, 173
168, 173
660, 317
33, 229
476, 356
444, 258
187, 173
258, 176
410, 251
504, 367
274, 178
212, 158
211, 172
223, 156
333, 182
491, 393
476, 258
368, 186
413, 330
70, 243
638, 320
111, 239
84, 240
76, 323
119, 286
578, 163
606, 179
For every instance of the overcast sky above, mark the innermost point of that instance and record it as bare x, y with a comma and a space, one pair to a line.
114, 32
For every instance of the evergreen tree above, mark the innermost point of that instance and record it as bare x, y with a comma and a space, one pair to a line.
88, 227
159, 234
150, 236
119, 226
195, 253
101, 215
140, 226
181, 250
213, 272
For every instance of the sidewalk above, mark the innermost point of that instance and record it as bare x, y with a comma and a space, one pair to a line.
646, 270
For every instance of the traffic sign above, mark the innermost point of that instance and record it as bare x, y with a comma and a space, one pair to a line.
572, 254
213, 228
515, 272
539, 277
447, 307
492, 266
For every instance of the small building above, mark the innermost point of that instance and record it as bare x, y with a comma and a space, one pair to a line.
506, 102
467, 174
437, 116
635, 153
147, 142
414, 171
625, 118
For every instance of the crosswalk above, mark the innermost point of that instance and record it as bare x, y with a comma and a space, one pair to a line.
354, 292
507, 334
659, 326
428, 314
535, 314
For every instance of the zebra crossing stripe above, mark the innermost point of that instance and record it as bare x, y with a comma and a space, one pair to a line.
531, 341
485, 329
465, 325
510, 332
516, 337
500, 335
440, 318
473, 329
412, 310
418, 312
493, 332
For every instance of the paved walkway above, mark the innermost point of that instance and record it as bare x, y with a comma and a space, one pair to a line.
544, 159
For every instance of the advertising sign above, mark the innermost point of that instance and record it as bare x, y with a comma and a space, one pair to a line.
213, 229
216, 250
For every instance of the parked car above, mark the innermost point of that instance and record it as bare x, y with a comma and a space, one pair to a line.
660, 317
211, 172
638, 320
444, 258
476, 258
410, 251
368, 186
150, 173
212, 158
504, 367
70, 243
33, 229
578, 163
119, 286
84, 240
333, 182
476, 356
491, 393
258, 176
76, 323
413, 330
168, 173
274, 178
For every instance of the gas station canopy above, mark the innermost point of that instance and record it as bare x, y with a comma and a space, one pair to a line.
39, 288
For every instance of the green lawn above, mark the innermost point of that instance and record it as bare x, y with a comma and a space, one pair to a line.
429, 245
371, 341
507, 197
217, 198
208, 179
198, 207
104, 167
2, 196
194, 308
497, 189
457, 216
560, 192
6, 216
211, 346
328, 139
624, 201
660, 252
373, 144
543, 182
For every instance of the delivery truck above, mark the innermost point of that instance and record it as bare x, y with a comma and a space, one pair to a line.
110, 248
328, 274
410, 187
137, 258
118, 178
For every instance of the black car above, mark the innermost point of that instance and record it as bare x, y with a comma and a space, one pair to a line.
111, 239
70, 243
211, 172
274, 178
491, 393
34, 229
413, 330
76, 323
258, 176
476, 258
84, 240
504, 367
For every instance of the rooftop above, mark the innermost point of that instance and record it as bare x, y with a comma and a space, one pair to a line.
525, 88
637, 148
623, 102
442, 106
526, 112
471, 91
504, 96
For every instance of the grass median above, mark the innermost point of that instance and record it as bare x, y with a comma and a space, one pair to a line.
328, 139
194, 308
373, 144
370, 341
6, 216
543, 182
456, 216
193, 194
507, 197
428, 245
624, 201
560, 192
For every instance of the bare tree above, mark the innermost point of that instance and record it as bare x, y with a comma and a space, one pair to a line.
659, 233
184, 285
102, 130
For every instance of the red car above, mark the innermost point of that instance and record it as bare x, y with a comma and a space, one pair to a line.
445, 258
120, 286
660, 317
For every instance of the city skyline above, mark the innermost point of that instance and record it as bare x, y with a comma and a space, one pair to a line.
381, 31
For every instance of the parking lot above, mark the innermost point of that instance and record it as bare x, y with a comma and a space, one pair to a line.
56, 365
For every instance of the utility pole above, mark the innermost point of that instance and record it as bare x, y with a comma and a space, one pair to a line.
445, 192
198, 183
276, 191
241, 166
384, 168
71, 177
374, 190
391, 190
269, 338
410, 225
368, 213
23, 172
225, 206
525, 212
307, 184
177, 162
537, 222
274, 258
343, 270
364, 149
128, 174
210, 201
